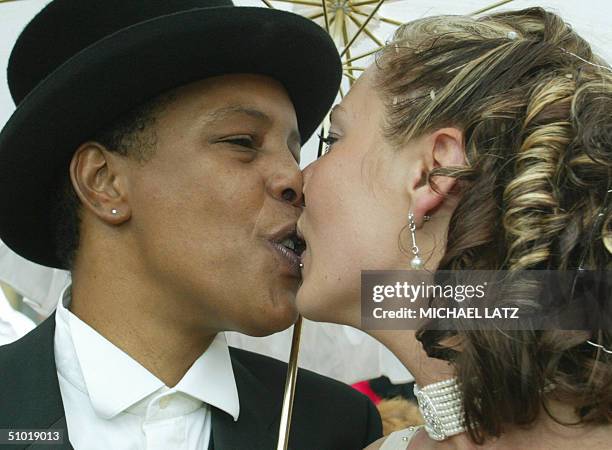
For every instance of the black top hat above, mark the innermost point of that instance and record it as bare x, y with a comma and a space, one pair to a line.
79, 64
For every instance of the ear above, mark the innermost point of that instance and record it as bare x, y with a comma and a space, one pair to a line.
99, 182
442, 148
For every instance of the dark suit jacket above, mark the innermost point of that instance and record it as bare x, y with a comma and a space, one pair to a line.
327, 415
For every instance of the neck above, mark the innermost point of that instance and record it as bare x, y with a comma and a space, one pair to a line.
138, 317
409, 351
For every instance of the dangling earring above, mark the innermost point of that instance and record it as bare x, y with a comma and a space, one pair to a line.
416, 262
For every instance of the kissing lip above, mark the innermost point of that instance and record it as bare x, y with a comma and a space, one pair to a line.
288, 247
303, 255
290, 260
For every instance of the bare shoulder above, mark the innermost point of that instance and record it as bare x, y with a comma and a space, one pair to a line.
376, 445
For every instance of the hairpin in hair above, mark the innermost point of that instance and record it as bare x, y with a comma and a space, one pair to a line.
594, 344
512, 35
586, 61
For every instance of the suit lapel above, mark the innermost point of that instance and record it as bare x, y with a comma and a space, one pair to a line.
254, 428
35, 392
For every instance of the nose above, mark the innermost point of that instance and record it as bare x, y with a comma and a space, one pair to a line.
306, 174
286, 185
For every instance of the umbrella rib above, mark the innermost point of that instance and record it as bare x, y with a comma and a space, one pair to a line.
365, 30
315, 16
363, 55
325, 14
490, 7
382, 19
349, 74
374, 11
350, 77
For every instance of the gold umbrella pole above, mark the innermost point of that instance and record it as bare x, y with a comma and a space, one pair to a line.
285, 420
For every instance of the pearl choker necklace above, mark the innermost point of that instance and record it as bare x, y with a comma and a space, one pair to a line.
442, 408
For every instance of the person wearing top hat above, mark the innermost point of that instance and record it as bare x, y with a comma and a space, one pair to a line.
154, 153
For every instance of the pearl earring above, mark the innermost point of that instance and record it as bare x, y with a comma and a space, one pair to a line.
114, 211
416, 262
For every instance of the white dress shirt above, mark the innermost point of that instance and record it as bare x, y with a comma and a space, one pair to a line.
113, 402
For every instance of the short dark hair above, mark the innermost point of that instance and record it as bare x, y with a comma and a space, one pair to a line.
132, 135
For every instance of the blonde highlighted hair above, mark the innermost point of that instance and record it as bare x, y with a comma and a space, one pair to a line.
535, 107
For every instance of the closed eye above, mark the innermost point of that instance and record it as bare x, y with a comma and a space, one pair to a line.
242, 141
329, 141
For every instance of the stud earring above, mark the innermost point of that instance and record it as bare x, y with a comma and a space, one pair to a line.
416, 262
114, 211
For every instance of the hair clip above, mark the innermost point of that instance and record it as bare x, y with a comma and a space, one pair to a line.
586, 61
599, 346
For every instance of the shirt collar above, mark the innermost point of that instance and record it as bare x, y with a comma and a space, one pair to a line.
114, 381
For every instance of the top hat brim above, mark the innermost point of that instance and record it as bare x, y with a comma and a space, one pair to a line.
119, 72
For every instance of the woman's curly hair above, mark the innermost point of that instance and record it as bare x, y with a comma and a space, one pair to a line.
535, 106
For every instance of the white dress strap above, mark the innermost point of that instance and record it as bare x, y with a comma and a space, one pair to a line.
399, 440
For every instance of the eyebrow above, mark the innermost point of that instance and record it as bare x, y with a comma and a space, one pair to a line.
295, 139
226, 111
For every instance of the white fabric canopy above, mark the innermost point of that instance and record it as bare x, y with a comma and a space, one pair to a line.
39, 285
13, 324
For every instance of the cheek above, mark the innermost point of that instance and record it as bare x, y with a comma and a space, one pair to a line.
354, 224
198, 213
339, 230
352, 219
328, 205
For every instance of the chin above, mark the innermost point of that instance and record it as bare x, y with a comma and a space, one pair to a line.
272, 322
313, 305
320, 305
